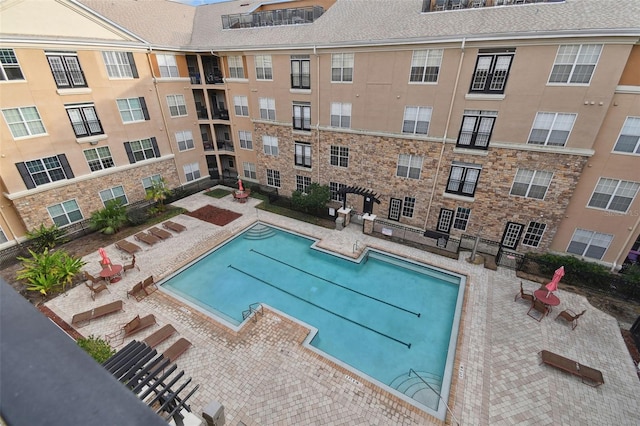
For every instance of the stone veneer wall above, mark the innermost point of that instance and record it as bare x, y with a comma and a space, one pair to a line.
33, 208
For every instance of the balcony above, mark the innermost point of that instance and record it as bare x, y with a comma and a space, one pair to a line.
225, 146
270, 18
442, 5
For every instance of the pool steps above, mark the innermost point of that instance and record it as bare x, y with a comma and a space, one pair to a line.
259, 232
414, 387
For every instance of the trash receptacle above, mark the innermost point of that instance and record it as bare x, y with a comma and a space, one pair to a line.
340, 223
213, 414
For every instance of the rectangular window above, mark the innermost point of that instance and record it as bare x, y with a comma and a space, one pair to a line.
461, 220
177, 105
425, 66
416, 120
273, 178
463, 179
168, 66
185, 140
140, 150
116, 193
246, 139
533, 234
264, 68
149, 181
531, 183
249, 170
334, 188
132, 109
339, 156
629, 139
302, 154
120, 64
340, 115
3, 237
409, 166
236, 67
575, 63
241, 105
45, 170
99, 158
589, 243
476, 129
408, 207
270, 145
24, 121
65, 213
267, 108
191, 171
302, 183
9, 66
613, 194
302, 116
551, 128
300, 72
66, 70
491, 72
84, 120
342, 67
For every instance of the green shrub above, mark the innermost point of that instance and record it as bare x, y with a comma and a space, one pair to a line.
47, 271
46, 238
109, 219
137, 216
99, 349
316, 197
158, 192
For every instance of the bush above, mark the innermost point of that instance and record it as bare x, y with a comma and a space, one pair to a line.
137, 217
46, 271
46, 238
109, 219
99, 349
315, 199
158, 193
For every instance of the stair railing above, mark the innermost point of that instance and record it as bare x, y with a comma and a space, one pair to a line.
253, 308
411, 370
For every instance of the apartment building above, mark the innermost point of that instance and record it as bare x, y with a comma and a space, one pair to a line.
517, 121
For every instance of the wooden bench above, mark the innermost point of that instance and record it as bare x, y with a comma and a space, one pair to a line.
592, 376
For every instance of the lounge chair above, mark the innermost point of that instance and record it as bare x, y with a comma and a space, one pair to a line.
592, 376
525, 295
175, 227
177, 349
149, 285
538, 306
137, 291
147, 238
94, 280
134, 326
571, 317
96, 289
160, 233
100, 311
127, 246
132, 265
159, 336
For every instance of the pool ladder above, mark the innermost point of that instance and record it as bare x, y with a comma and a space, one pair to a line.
253, 308
356, 246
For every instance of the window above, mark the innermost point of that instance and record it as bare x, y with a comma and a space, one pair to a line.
149, 181
3, 237
461, 219
84, 120
65, 213
339, 156
302, 154
120, 64
334, 188
249, 170
236, 68
177, 105
575, 63
246, 139
116, 193
9, 67
99, 158
531, 183
476, 129
24, 121
302, 116
629, 139
133, 109
551, 128
300, 72
342, 67
492, 70
463, 179
168, 66
143, 149
270, 145
416, 120
533, 234
408, 207
425, 65
589, 243
241, 105
341, 115
191, 171
66, 70
613, 194
409, 166
44, 170
185, 140
302, 183
264, 68
273, 178
267, 108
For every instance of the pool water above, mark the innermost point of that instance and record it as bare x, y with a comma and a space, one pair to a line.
380, 315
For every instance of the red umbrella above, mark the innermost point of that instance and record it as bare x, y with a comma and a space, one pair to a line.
557, 276
105, 259
240, 188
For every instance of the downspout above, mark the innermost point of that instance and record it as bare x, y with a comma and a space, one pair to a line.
315, 52
633, 231
446, 130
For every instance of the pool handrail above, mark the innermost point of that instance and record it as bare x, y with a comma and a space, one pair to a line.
411, 370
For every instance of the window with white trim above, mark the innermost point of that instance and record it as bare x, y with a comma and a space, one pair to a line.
629, 139
149, 181
613, 194
3, 236
302, 116
492, 70
270, 145
9, 66
302, 154
132, 109
120, 64
236, 67
300, 72
99, 158
533, 234
409, 166
168, 66
24, 121
264, 67
341, 115
531, 183
589, 244
334, 188
425, 65
45, 170
116, 193
241, 106
551, 128
246, 139
141, 150
409, 206
267, 108
342, 67
249, 170
65, 213
463, 179
416, 120
339, 156
575, 63
461, 219
184, 139
177, 105
476, 129
66, 69
191, 171
302, 183
84, 120
273, 178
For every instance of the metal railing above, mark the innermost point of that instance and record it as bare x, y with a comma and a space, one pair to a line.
411, 370
269, 18
254, 308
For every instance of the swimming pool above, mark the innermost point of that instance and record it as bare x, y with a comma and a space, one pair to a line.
381, 315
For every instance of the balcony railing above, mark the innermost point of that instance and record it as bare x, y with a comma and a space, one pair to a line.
270, 18
440, 5
225, 146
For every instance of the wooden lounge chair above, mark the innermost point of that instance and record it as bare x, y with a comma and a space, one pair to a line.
94, 280
590, 376
541, 308
127, 246
147, 238
149, 285
177, 349
131, 265
137, 291
96, 289
134, 326
525, 295
175, 227
160, 233
100, 311
159, 336
571, 317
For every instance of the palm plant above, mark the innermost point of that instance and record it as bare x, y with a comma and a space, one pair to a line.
46, 237
46, 271
110, 219
158, 192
